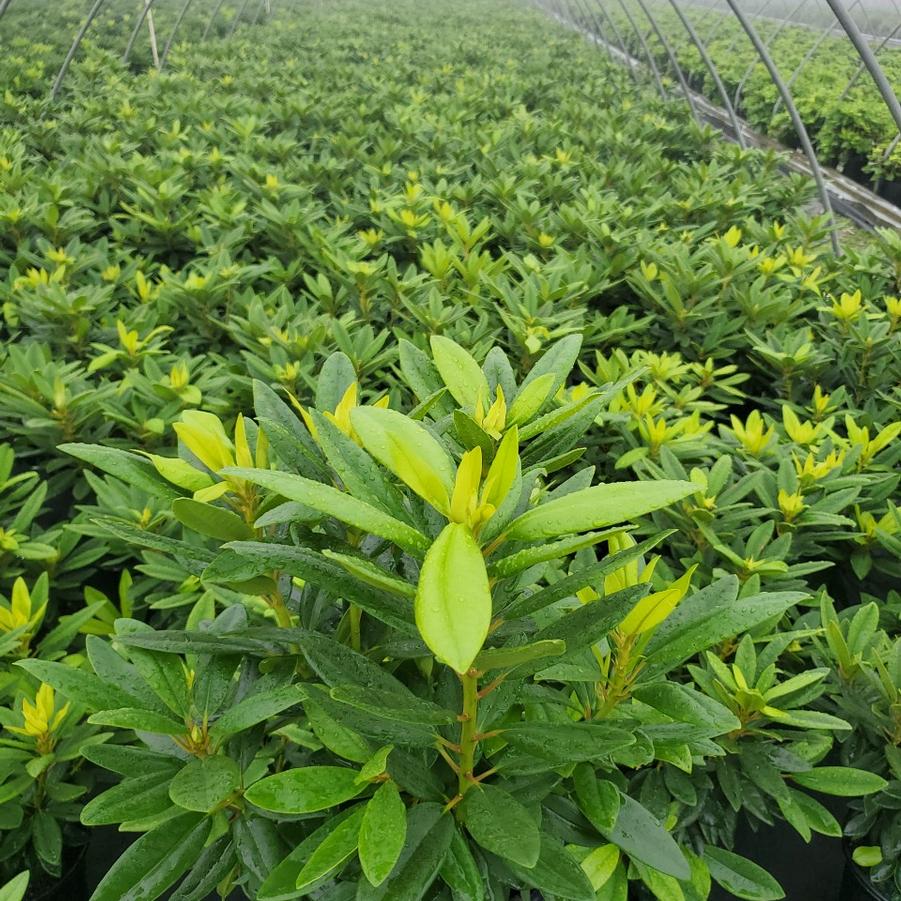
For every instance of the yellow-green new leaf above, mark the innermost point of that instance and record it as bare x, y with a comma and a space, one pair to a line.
453, 601
593, 508
503, 469
409, 451
460, 372
530, 399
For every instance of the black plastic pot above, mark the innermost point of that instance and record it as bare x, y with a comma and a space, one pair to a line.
856, 885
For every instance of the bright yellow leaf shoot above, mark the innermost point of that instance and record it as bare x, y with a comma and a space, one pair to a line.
21, 613
41, 720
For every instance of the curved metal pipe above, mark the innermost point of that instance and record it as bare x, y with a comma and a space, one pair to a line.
680, 75
231, 30
644, 47
714, 72
869, 59
181, 15
598, 34
729, 50
64, 68
4, 6
803, 137
860, 69
213, 15
806, 59
145, 11
736, 100
619, 40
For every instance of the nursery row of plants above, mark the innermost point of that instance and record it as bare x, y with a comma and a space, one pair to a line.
432, 467
849, 123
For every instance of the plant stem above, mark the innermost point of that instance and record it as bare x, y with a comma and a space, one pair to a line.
468, 723
354, 614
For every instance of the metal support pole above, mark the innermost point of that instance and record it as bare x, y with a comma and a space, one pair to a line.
869, 58
4, 6
60, 76
181, 15
627, 57
806, 59
789, 102
680, 75
860, 69
714, 73
602, 34
213, 15
237, 19
736, 100
731, 48
146, 11
644, 47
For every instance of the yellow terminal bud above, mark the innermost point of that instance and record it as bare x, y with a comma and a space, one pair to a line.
791, 505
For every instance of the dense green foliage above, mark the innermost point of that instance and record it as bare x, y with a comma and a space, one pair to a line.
416, 430
842, 110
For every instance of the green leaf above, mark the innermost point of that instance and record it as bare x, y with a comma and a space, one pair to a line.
131, 468
150, 865
530, 399
506, 658
588, 575
461, 872
316, 568
741, 877
709, 617
135, 798
334, 850
15, 889
429, 834
453, 600
596, 507
375, 765
339, 504
409, 451
601, 864
125, 759
501, 825
335, 377
598, 799
382, 833
139, 720
78, 686
845, 781
361, 475
367, 571
555, 872
405, 708
460, 372
305, 790
559, 359
818, 818
518, 561
254, 709
337, 664
214, 522
281, 883
863, 856
205, 783
684, 704
640, 835
567, 742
